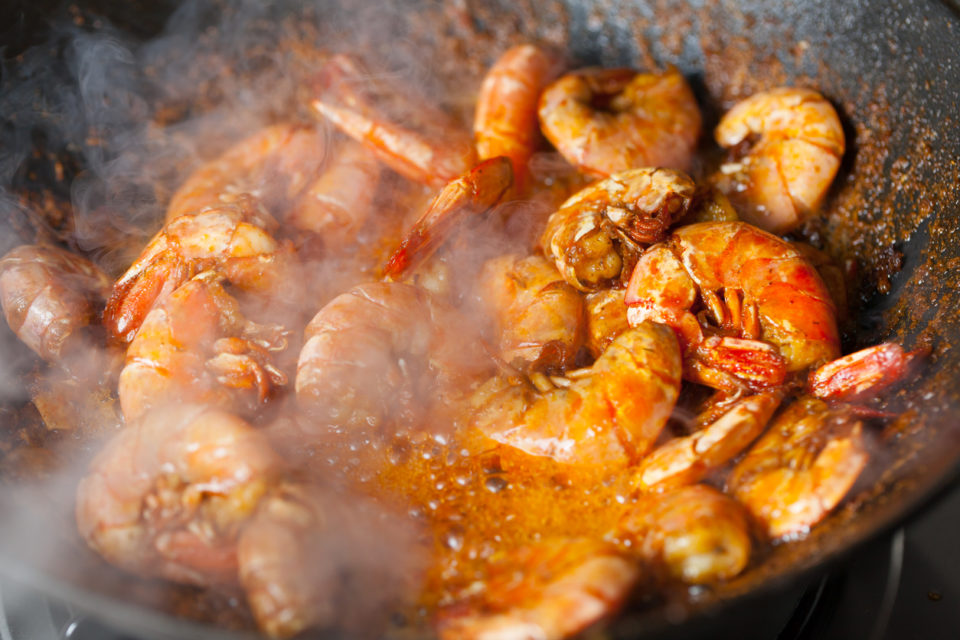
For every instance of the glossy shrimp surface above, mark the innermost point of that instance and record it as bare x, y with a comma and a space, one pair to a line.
416, 140
801, 469
776, 312
539, 318
604, 121
381, 350
233, 240
597, 235
609, 414
169, 494
50, 296
794, 143
195, 345
505, 123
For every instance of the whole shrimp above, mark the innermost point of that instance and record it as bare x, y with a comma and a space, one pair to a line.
384, 349
695, 534
50, 296
801, 469
609, 414
232, 239
274, 165
505, 123
550, 590
417, 141
310, 557
604, 121
539, 317
788, 143
775, 317
196, 346
170, 493
597, 235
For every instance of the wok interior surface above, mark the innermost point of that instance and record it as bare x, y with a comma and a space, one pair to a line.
893, 71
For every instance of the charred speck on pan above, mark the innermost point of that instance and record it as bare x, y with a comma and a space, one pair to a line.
891, 69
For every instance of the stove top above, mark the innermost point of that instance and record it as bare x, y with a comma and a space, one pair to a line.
903, 586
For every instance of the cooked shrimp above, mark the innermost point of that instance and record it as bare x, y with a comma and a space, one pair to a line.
50, 296
604, 121
312, 558
274, 165
606, 319
695, 534
195, 346
506, 117
168, 495
539, 317
339, 203
232, 239
864, 374
381, 350
548, 591
788, 145
831, 274
469, 196
609, 414
417, 141
597, 235
801, 469
776, 316
689, 459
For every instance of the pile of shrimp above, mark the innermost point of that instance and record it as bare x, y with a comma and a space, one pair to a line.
569, 384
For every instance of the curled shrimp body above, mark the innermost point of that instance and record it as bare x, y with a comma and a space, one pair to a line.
609, 414
794, 142
801, 469
196, 346
312, 558
549, 591
506, 117
169, 494
604, 121
687, 460
775, 317
49, 296
539, 317
606, 318
232, 239
417, 141
695, 534
274, 165
597, 235
382, 349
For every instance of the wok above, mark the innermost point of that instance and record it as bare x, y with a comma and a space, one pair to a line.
891, 67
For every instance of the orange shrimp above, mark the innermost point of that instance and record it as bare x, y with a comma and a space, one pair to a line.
776, 316
169, 494
549, 591
471, 195
609, 414
695, 534
380, 350
232, 239
274, 165
788, 145
597, 235
195, 346
606, 318
50, 296
539, 317
801, 469
689, 459
417, 141
604, 121
506, 117
864, 374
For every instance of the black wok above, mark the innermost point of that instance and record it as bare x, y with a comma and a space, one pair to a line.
893, 70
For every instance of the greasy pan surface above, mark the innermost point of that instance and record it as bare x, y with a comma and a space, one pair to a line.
893, 71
